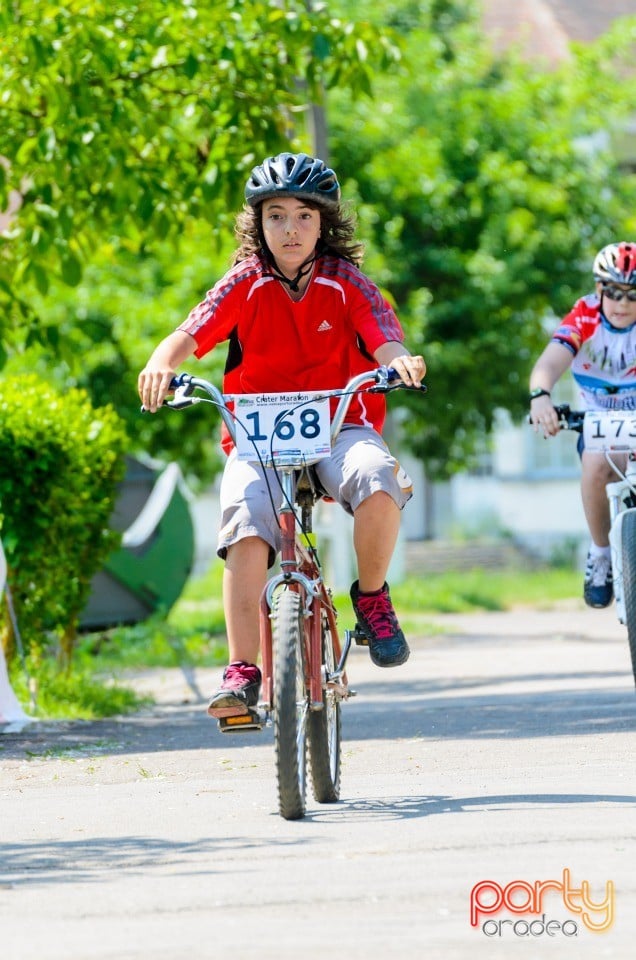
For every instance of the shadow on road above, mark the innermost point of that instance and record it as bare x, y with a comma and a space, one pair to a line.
88, 860
385, 710
378, 713
407, 807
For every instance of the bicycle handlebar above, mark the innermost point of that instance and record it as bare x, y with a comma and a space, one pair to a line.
570, 419
383, 380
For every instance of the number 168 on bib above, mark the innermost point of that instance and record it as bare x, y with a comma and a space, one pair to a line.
283, 428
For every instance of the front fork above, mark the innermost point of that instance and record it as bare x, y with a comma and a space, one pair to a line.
309, 589
300, 571
617, 493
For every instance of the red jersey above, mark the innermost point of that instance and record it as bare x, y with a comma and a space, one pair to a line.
278, 345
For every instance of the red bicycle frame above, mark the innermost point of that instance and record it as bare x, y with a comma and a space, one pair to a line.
299, 572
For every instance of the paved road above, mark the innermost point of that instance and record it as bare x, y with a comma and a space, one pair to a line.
503, 751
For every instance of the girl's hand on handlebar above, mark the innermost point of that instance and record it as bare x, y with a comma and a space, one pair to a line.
410, 369
154, 380
153, 387
544, 417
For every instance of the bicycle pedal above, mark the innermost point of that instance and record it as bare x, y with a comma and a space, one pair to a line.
360, 638
253, 720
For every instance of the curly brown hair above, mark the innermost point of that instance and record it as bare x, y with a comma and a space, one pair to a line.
337, 229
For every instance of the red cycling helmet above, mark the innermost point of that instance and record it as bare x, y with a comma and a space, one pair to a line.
616, 263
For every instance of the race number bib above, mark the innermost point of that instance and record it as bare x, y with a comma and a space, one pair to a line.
609, 430
283, 428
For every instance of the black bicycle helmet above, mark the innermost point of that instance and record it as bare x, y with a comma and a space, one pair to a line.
616, 263
292, 175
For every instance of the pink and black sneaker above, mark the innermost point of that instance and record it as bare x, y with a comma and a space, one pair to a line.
238, 692
378, 623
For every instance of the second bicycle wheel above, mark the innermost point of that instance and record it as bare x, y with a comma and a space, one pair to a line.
291, 704
324, 732
629, 580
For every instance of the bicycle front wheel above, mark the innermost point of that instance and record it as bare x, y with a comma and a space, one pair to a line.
324, 731
291, 704
629, 580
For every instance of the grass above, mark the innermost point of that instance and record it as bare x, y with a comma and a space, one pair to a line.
481, 589
193, 633
81, 693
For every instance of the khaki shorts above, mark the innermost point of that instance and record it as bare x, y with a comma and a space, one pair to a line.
360, 465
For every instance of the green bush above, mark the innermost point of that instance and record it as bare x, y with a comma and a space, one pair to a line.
60, 462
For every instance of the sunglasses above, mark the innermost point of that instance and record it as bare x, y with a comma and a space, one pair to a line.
616, 293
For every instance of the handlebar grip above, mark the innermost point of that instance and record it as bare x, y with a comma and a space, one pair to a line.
183, 389
181, 380
393, 377
568, 419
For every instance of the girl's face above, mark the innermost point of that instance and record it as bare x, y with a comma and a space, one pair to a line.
620, 313
291, 230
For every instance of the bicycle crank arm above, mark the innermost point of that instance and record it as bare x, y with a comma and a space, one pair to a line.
342, 691
349, 635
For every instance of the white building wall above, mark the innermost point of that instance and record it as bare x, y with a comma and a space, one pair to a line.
532, 493
519, 507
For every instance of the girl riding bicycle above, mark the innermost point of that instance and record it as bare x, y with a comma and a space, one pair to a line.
298, 314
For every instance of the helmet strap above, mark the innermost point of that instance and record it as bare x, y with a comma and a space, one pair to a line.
303, 271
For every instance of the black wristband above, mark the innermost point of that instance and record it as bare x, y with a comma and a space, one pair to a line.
539, 392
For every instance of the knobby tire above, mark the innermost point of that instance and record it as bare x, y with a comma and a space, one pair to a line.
324, 733
628, 531
291, 704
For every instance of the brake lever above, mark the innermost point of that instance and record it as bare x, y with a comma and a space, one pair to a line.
183, 393
176, 404
181, 403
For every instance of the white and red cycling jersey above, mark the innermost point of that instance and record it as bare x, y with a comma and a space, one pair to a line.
604, 363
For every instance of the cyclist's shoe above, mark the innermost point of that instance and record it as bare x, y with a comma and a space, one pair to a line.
378, 623
238, 692
598, 588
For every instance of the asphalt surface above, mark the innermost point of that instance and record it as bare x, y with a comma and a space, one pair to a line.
503, 751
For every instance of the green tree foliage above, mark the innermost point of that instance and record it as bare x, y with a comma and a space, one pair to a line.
109, 324
127, 118
60, 462
486, 185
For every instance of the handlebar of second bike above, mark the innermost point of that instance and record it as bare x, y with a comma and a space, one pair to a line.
568, 419
610, 444
383, 379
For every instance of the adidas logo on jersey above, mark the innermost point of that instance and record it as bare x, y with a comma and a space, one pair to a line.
325, 325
